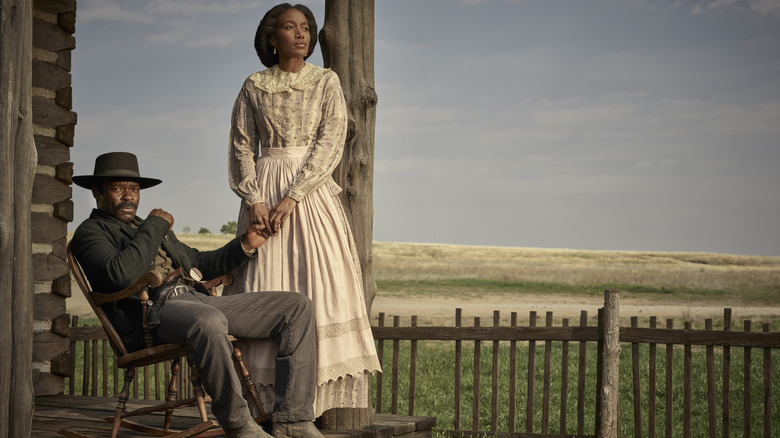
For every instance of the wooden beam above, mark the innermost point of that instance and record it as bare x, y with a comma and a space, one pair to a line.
17, 168
347, 43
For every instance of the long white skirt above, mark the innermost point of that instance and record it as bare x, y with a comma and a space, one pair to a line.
313, 254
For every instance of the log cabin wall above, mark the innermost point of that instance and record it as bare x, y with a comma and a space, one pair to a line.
52, 208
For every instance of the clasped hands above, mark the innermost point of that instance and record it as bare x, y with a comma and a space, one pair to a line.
257, 233
271, 220
265, 223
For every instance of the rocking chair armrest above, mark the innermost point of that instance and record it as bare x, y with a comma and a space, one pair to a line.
151, 279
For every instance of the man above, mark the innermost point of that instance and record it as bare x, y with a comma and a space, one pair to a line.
115, 248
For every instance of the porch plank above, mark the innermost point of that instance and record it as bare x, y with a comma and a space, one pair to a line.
86, 415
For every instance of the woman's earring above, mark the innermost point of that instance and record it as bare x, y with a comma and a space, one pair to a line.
274, 50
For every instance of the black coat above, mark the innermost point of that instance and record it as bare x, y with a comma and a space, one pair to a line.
114, 255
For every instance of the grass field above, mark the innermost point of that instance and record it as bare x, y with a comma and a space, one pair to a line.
408, 269
435, 390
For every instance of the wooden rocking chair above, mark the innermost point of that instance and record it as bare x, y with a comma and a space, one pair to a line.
155, 354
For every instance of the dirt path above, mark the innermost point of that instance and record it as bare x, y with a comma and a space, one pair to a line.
438, 310
441, 310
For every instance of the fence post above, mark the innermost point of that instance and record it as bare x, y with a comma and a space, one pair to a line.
611, 363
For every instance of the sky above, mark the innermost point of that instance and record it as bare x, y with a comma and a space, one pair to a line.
640, 125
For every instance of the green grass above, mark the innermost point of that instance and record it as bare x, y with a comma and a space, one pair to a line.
404, 271
435, 388
144, 376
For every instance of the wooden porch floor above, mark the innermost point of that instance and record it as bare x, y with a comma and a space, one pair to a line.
86, 415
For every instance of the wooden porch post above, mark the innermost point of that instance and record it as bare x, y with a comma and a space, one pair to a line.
608, 423
18, 159
347, 44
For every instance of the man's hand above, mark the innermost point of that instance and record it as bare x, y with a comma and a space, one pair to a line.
281, 212
253, 238
163, 214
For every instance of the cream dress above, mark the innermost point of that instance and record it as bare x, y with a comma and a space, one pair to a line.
287, 137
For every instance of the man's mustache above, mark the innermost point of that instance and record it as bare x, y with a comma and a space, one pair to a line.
125, 204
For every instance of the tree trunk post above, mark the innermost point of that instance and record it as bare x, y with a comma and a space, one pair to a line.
347, 44
18, 159
608, 423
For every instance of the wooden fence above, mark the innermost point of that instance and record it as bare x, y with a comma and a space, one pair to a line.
646, 381
598, 351
100, 377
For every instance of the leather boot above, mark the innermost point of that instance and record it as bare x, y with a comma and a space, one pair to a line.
299, 429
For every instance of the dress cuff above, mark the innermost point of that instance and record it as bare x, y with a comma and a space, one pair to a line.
253, 201
295, 195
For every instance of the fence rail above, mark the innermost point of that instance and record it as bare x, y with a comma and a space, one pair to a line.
569, 391
100, 377
646, 382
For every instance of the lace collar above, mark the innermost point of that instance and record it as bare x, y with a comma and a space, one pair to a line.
276, 80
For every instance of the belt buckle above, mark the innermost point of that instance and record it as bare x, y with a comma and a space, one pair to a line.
179, 289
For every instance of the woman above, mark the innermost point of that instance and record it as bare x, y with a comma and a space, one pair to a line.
289, 124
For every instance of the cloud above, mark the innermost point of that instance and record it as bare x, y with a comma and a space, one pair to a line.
618, 124
623, 143
137, 11
765, 7
761, 7
199, 132
186, 33
218, 41
204, 7
109, 10
172, 34
197, 23
186, 148
413, 164
152, 123
387, 45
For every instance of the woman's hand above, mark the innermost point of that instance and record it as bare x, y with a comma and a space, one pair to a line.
258, 217
281, 212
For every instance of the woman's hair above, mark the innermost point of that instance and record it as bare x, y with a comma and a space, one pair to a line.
267, 27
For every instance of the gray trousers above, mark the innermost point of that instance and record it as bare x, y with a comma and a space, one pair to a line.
202, 323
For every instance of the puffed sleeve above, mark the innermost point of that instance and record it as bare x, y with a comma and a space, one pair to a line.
329, 146
242, 150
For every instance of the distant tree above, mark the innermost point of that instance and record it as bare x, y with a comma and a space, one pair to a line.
186, 230
204, 231
229, 228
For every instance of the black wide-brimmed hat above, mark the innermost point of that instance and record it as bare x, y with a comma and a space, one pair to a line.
114, 166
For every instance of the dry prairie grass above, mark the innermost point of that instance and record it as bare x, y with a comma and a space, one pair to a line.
205, 242
428, 279
426, 261
415, 261
434, 279
403, 270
